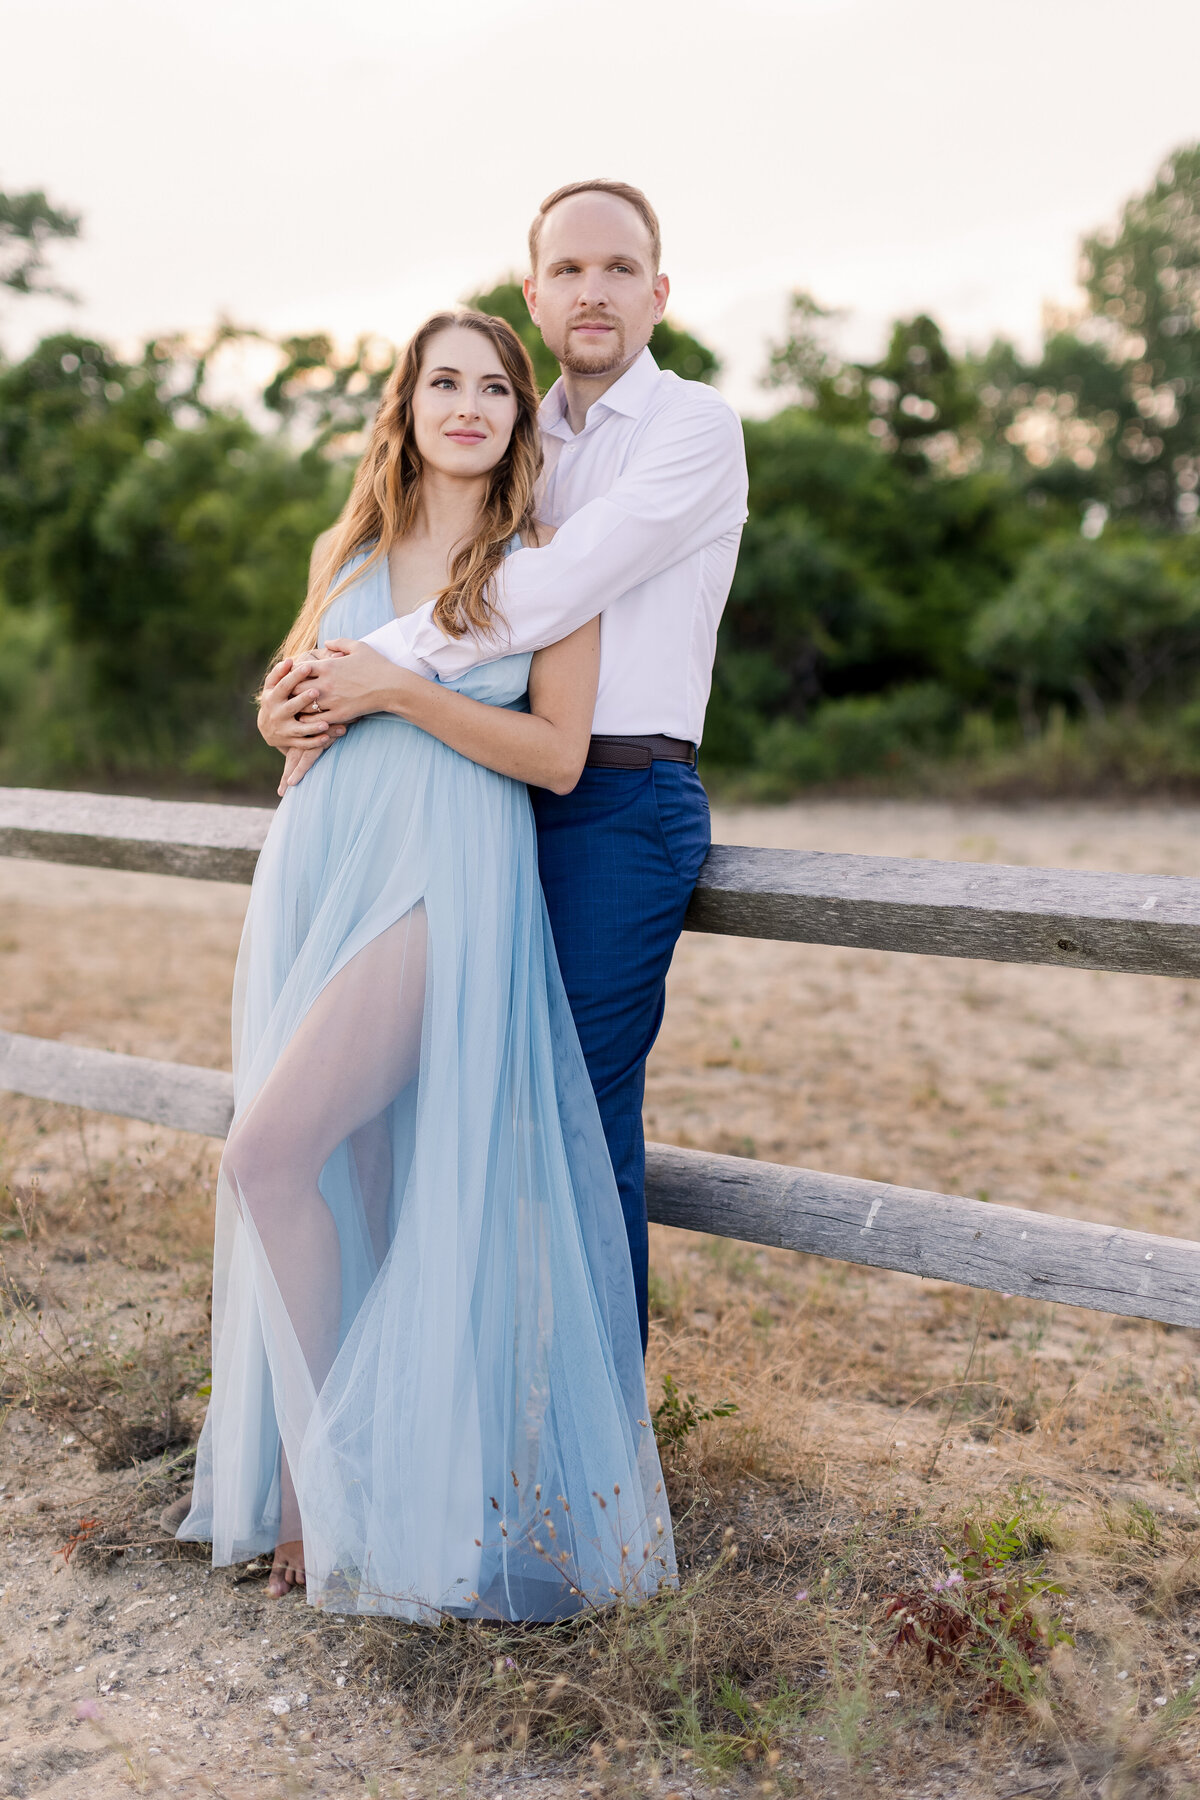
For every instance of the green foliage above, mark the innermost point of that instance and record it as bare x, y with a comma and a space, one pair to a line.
1103, 621
862, 734
860, 576
1143, 285
153, 552
677, 1414
918, 388
986, 1620
749, 1728
675, 349
324, 397
48, 729
29, 223
71, 416
916, 393
983, 560
1110, 412
205, 548
805, 366
926, 558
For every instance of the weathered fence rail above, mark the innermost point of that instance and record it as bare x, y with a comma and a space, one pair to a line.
1076, 919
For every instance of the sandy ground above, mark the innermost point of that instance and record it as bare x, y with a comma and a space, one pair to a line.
1061, 1090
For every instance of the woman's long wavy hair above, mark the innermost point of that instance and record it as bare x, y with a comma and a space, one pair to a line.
386, 495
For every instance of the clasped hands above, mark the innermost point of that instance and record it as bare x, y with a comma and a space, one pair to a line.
308, 701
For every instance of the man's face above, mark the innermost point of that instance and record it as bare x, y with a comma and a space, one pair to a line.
595, 295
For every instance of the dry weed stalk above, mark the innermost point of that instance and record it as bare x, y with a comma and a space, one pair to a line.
126, 1396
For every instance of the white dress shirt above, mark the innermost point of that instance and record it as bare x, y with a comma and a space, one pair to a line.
649, 500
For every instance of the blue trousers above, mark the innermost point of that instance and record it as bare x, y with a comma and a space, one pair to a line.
619, 857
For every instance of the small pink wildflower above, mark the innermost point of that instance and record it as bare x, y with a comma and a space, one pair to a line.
803, 1594
86, 1709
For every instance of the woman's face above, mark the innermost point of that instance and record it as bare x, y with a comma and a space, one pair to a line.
464, 407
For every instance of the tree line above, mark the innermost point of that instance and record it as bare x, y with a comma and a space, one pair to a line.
972, 567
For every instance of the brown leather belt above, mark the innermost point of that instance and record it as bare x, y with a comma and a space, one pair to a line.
639, 752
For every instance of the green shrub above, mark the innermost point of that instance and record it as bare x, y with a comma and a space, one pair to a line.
1105, 623
870, 734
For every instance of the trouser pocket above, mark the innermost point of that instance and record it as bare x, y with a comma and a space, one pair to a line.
681, 805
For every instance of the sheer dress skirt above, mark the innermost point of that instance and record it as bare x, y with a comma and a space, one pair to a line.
422, 1294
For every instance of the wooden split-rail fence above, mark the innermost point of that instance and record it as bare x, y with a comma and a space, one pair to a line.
1072, 919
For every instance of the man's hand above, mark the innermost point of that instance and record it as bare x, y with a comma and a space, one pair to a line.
354, 681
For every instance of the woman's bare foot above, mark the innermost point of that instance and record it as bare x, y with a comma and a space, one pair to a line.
172, 1517
287, 1571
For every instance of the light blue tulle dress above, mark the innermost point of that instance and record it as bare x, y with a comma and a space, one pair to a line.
444, 1340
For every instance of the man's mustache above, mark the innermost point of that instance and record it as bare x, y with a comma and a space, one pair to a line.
593, 318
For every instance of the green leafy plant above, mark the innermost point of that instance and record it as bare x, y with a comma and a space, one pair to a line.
677, 1414
985, 1618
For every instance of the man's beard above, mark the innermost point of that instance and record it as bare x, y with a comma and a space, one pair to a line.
604, 358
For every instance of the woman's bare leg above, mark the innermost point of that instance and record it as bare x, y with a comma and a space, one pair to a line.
357, 1047
371, 1147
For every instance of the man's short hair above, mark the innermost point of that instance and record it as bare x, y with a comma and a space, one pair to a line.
621, 190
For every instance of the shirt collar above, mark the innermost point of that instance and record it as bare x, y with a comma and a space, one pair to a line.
630, 396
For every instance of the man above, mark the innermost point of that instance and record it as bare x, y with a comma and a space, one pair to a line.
646, 482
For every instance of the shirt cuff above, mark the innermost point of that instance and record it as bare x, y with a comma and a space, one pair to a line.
391, 641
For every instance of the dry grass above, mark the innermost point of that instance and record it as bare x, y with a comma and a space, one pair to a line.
876, 1417
130, 1394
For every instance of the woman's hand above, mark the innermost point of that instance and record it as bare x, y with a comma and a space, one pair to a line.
296, 766
287, 718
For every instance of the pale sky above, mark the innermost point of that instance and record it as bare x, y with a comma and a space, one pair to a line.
349, 165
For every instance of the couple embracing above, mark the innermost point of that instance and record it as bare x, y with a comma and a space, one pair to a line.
429, 1308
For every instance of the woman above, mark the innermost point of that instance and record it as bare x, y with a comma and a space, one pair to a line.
427, 1380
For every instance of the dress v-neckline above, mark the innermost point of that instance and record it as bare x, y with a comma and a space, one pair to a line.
391, 596
514, 543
